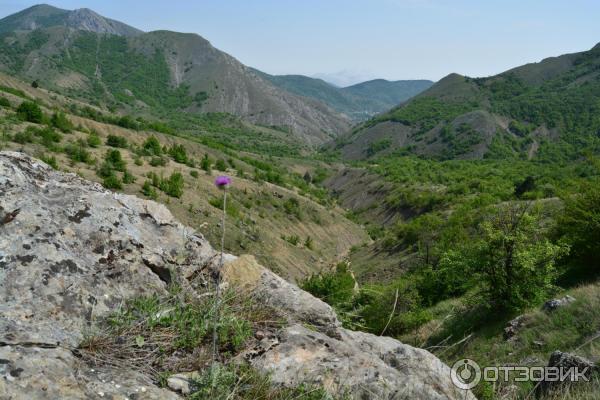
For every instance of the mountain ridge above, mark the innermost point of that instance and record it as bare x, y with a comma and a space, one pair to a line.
360, 101
154, 72
515, 113
44, 16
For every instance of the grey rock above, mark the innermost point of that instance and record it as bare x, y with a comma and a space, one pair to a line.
76, 251
566, 361
513, 326
553, 304
183, 382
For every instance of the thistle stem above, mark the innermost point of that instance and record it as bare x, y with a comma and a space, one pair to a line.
218, 282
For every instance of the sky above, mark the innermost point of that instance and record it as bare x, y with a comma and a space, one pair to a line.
348, 41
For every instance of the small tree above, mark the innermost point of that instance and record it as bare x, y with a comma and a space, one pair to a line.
31, 112
152, 146
116, 141
579, 224
513, 261
178, 153
174, 185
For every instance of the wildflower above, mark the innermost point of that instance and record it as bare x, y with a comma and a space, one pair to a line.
222, 181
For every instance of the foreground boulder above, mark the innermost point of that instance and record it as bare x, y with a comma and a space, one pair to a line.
72, 252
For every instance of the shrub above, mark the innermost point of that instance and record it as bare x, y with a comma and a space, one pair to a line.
158, 162
308, 243
114, 159
178, 153
93, 140
112, 182
4, 102
116, 141
149, 191
579, 225
292, 239
77, 152
49, 137
152, 147
128, 178
206, 163
31, 112
174, 185
60, 121
292, 207
194, 173
23, 137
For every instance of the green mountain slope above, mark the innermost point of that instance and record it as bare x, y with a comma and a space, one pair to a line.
158, 73
546, 109
360, 101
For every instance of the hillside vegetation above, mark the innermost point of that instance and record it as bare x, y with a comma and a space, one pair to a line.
290, 224
83, 55
538, 111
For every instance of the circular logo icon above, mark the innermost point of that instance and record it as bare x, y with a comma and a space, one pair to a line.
465, 374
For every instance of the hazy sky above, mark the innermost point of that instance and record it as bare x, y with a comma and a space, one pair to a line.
353, 40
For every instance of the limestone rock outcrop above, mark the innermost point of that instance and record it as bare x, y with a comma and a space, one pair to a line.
71, 252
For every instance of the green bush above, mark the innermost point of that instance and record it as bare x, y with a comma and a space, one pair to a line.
114, 159
93, 140
149, 191
292, 207
174, 185
4, 102
579, 225
178, 153
23, 137
77, 152
206, 163
194, 173
60, 121
48, 136
152, 147
116, 141
112, 182
30, 112
128, 178
158, 161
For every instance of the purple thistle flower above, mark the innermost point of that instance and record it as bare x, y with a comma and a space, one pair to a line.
222, 181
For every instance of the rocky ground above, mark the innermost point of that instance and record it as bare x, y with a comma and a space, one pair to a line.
72, 252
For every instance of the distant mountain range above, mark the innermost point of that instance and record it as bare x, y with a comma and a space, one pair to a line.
360, 101
549, 109
83, 54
